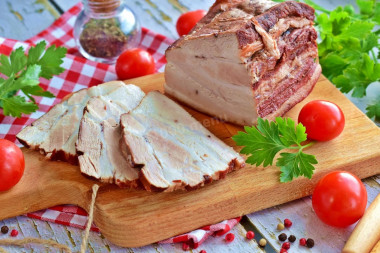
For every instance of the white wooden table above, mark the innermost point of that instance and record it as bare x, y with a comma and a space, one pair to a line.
22, 19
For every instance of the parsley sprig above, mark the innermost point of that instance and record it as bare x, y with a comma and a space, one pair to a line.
347, 47
23, 72
264, 141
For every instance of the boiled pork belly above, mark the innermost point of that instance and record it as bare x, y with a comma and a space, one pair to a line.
98, 148
173, 150
246, 59
56, 132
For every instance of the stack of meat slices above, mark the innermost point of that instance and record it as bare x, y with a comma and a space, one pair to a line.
121, 136
253, 58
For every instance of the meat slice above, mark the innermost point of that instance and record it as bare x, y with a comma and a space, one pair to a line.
246, 59
173, 150
55, 133
99, 136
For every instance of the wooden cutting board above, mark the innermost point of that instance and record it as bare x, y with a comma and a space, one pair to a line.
133, 218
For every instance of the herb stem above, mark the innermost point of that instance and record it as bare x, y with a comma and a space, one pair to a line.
308, 145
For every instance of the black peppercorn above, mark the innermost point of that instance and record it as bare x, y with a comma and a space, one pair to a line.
310, 243
4, 229
282, 237
292, 238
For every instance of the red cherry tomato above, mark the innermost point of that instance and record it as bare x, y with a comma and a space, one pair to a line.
323, 120
134, 63
188, 20
339, 199
12, 164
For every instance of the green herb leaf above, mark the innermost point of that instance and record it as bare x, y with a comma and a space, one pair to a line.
264, 141
23, 74
16, 105
373, 111
293, 165
51, 61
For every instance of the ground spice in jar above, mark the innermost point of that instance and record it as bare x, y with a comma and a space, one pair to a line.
103, 38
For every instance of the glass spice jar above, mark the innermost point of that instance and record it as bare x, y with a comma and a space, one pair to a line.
106, 28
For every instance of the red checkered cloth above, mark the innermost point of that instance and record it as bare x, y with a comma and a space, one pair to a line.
82, 73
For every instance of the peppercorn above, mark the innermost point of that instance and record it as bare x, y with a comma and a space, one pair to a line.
292, 238
280, 226
287, 223
283, 251
229, 237
262, 242
4, 229
250, 235
14, 233
282, 237
286, 245
302, 241
310, 243
202, 251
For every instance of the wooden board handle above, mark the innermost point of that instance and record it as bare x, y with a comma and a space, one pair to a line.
367, 232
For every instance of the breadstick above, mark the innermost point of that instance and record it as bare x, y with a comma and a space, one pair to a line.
367, 232
376, 249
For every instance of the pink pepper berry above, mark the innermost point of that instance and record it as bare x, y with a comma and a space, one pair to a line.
287, 223
202, 251
14, 232
250, 235
283, 251
302, 241
185, 246
286, 245
229, 237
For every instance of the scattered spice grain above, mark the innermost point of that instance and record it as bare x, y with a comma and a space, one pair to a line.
282, 237
4, 229
280, 226
310, 243
229, 237
262, 242
14, 233
283, 251
292, 238
286, 245
288, 223
302, 241
250, 235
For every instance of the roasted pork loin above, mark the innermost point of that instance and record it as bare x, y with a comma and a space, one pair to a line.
173, 150
99, 136
55, 133
246, 59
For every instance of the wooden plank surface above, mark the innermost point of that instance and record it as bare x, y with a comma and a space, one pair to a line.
134, 218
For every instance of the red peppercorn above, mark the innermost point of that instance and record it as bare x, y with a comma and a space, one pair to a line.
185, 246
14, 232
287, 223
250, 235
283, 251
286, 245
202, 251
302, 241
229, 237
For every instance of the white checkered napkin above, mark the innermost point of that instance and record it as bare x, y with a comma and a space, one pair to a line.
81, 73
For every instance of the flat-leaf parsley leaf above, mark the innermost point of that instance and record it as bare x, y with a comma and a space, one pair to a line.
264, 141
23, 72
